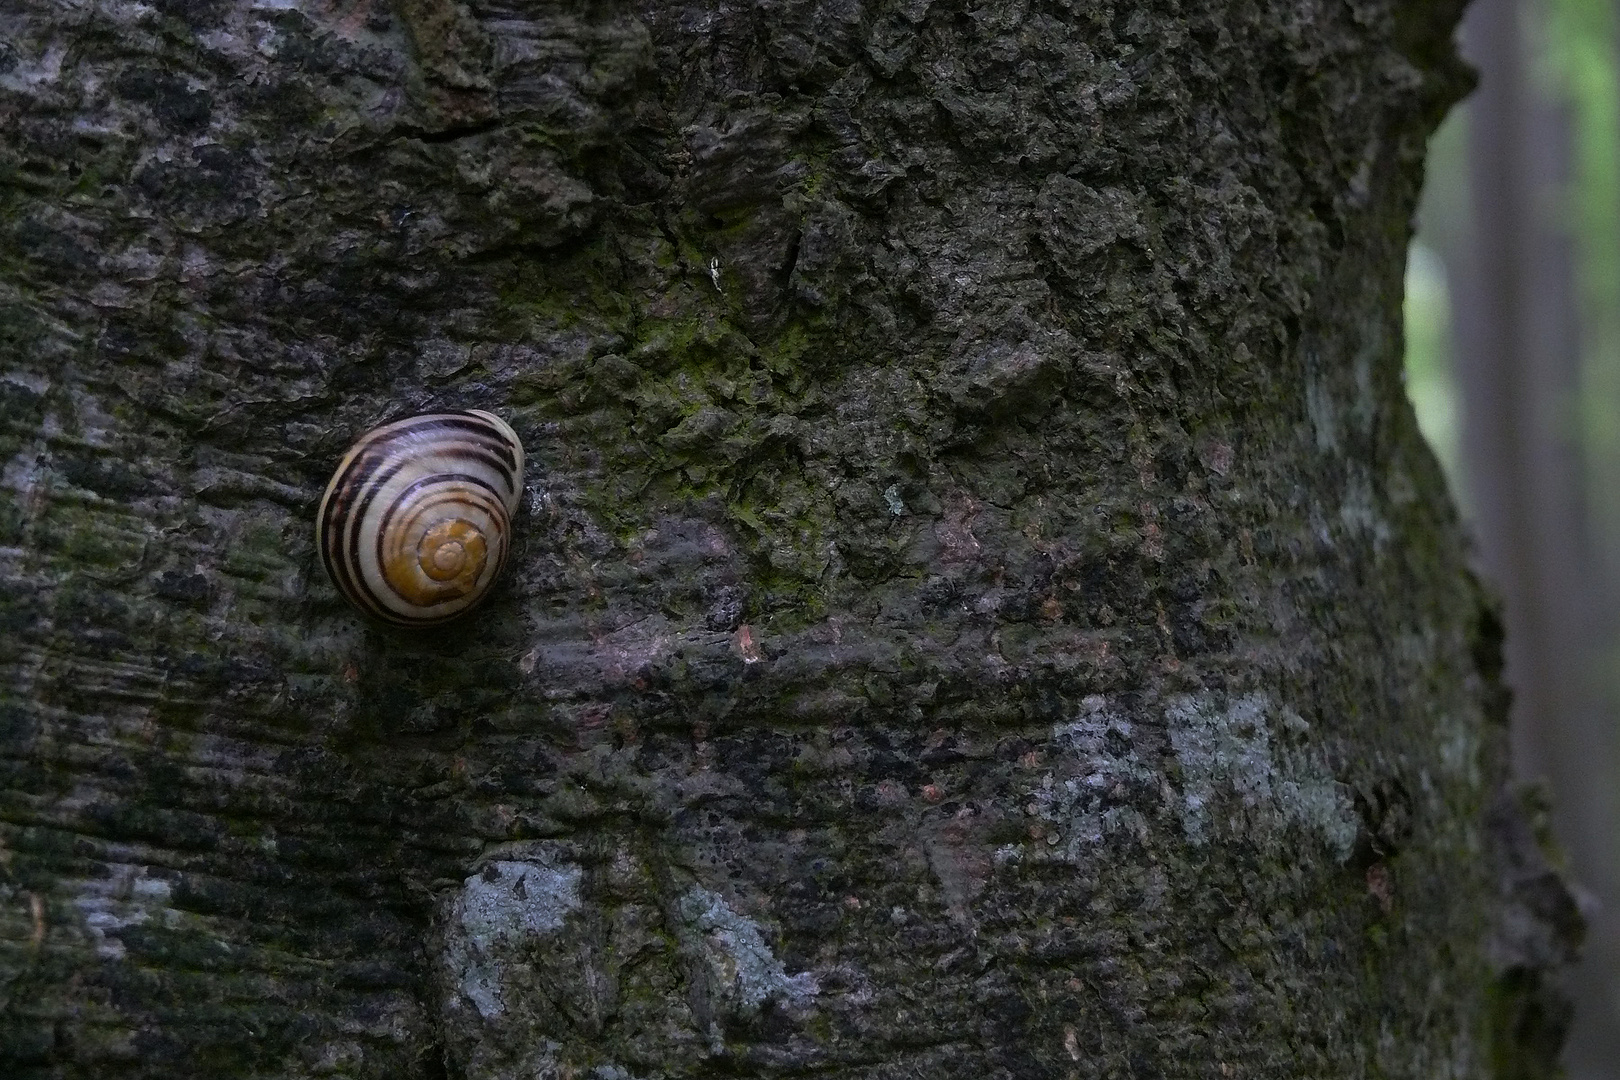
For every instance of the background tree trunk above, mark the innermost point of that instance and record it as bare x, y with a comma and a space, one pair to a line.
983, 607
1518, 362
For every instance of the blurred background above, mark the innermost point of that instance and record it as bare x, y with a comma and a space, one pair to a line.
1513, 366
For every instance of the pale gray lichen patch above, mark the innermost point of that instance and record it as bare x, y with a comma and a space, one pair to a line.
611, 1072
125, 897
1358, 511
517, 897
495, 909
1233, 781
480, 983
1094, 805
1322, 409
738, 957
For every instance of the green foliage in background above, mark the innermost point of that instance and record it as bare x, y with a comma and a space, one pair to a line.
1572, 64
1429, 381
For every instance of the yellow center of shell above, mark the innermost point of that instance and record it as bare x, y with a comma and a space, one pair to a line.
450, 550
448, 559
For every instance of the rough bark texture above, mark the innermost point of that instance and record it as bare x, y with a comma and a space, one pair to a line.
983, 608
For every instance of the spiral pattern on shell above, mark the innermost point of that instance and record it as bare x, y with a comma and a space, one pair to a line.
414, 525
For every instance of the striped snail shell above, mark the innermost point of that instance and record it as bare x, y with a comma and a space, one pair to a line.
414, 526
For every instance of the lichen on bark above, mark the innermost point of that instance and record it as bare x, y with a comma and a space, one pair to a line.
982, 606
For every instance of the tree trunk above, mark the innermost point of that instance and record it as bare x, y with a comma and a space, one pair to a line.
1519, 370
983, 607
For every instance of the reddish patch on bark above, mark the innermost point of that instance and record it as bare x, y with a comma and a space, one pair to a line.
1380, 887
747, 647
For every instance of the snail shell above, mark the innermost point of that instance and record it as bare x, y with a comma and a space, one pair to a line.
414, 526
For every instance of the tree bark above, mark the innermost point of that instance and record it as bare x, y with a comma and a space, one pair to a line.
983, 606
